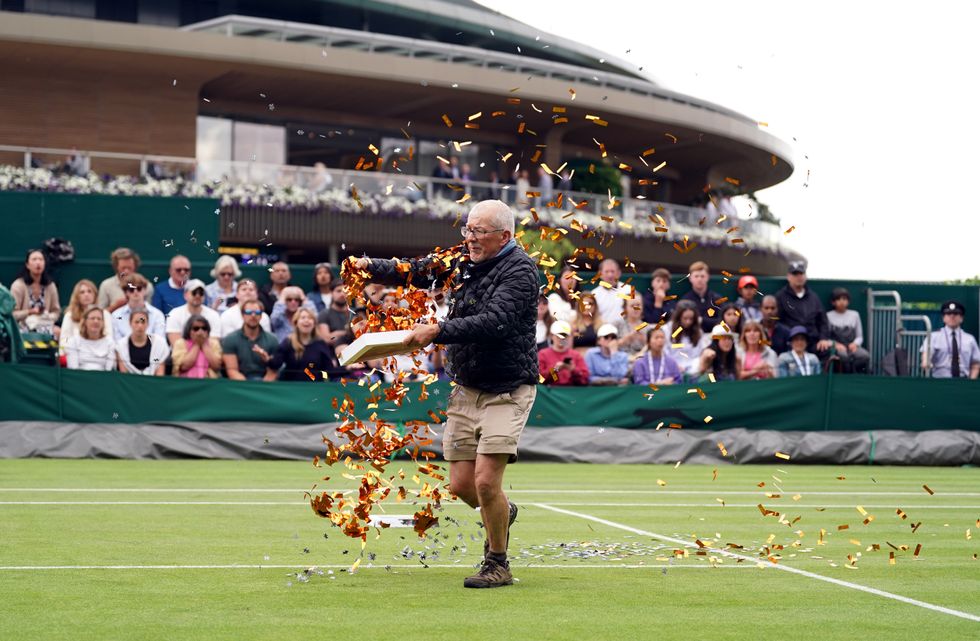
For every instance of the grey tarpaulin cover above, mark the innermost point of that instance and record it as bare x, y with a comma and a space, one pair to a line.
559, 444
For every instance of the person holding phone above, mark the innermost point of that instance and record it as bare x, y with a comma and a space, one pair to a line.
558, 363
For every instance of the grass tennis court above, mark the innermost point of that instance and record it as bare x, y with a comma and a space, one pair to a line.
95, 549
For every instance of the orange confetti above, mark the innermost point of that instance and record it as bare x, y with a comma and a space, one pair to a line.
927, 489
445, 119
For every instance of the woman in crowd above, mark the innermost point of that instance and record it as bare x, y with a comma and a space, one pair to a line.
721, 359
141, 353
36, 306
655, 366
225, 286
197, 354
587, 321
756, 360
321, 294
688, 343
632, 341
91, 349
291, 300
303, 356
732, 315
543, 323
83, 296
562, 302
846, 333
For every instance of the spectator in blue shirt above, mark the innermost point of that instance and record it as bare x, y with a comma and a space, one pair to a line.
798, 361
170, 293
607, 365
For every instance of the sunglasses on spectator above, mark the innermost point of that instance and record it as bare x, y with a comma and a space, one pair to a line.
199, 328
197, 292
294, 300
182, 269
252, 312
226, 274
608, 337
135, 288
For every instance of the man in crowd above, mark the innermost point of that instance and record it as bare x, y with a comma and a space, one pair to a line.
798, 361
607, 365
799, 305
748, 302
170, 293
610, 293
135, 287
558, 363
178, 316
777, 334
246, 352
231, 318
655, 303
952, 352
279, 278
490, 334
111, 295
333, 323
702, 296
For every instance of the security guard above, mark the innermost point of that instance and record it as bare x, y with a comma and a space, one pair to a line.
952, 352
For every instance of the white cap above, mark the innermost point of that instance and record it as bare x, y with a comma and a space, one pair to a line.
607, 330
720, 330
561, 328
193, 284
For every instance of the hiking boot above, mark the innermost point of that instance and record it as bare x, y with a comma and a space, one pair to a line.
492, 574
510, 522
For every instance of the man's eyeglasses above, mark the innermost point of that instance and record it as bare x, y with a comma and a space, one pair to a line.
199, 328
252, 312
476, 233
182, 269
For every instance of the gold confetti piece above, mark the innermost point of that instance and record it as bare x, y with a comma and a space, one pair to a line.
861, 510
708, 419
677, 465
843, 527
773, 160
559, 121
797, 497
475, 116
918, 548
463, 199
373, 149
661, 482
721, 501
721, 446
514, 101
732, 181
763, 124
714, 474
902, 514
660, 166
672, 137
968, 535
788, 231
445, 119
782, 456
927, 489
891, 558
841, 478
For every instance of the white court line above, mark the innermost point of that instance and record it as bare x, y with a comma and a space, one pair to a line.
150, 490
564, 504
514, 564
777, 566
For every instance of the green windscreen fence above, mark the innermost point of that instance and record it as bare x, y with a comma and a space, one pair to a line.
35, 393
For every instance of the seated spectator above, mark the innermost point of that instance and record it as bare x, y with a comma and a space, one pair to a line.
721, 359
748, 303
756, 359
271, 292
702, 297
231, 318
776, 334
732, 317
291, 299
800, 306
140, 352
952, 352
543, 323
798, 361
322, 292
170, 293
224, 287
249, 350
111, 295
608, 293
656, 366
83, 296
687, 340
36, 305
563, 302
847, 334
437, 363
197, 354
194, 294
632, 341
302, 353
333, 323
91, 348
656, 307
558, 363
135, 288
607, 365
587, 322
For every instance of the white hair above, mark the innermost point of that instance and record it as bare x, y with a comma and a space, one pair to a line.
499, 212
225, 261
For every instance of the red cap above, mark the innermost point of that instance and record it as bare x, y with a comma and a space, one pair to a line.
747, 280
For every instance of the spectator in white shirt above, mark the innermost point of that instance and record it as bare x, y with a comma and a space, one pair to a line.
846, 333
135, 288
563, 301
224, 286
689, 340
83, 296
141, 353
610, 293
91, 349
231, 319
194, 294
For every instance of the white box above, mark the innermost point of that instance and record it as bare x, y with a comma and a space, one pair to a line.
375, 345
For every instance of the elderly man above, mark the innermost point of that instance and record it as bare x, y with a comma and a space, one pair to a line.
279, 277
194, 294
799, 305
490, 334
170, 293
231, 318
111, 294
952, 352
610, 294
559, 363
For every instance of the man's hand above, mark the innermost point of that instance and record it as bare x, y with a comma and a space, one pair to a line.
264, 355
362, 263
421, 336
852, 347
824, 345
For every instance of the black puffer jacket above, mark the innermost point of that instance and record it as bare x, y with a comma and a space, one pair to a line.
489, 332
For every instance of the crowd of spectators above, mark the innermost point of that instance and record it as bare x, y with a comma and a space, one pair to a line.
605, 334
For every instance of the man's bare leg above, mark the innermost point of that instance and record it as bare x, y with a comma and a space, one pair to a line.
489, 478
462, 483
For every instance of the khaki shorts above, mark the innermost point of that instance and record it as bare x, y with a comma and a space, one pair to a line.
485, 423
